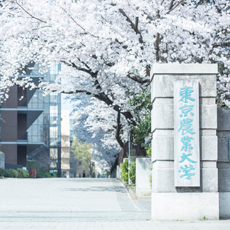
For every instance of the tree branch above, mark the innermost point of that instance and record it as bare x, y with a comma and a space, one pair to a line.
136, 24
29, 13
218, 10
171, 4
222, 44
175, 6
78, 24
157, 42
117, 108
101, 95
138, 79
84, 64
77, 67
133, 26
118, 130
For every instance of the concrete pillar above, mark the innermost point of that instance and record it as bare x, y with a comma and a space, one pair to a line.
143, 172
223, 164
183, 203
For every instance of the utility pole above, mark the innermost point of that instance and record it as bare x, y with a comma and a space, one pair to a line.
129, 157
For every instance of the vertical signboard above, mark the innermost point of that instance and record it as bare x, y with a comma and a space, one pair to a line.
186, 134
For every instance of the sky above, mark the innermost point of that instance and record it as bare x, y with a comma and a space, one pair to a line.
65, 103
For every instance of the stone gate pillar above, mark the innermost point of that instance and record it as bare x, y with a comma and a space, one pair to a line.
185, 174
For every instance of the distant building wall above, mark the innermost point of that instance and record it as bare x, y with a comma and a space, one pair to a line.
80, 167
65, 143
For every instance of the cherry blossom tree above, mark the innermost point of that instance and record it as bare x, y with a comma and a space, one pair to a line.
96, 128
106, 47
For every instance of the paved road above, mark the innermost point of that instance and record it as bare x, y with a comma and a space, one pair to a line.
69, 199
80, 204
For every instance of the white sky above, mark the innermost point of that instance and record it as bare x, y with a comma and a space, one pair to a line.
65, 103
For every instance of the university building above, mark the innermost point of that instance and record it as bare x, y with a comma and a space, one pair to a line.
31, 123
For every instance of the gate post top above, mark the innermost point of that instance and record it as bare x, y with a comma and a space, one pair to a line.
174, 68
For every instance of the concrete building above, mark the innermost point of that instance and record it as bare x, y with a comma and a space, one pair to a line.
31, 123
65, 143
17, 116
81, 167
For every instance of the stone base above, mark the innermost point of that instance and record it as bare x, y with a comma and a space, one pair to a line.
185, 206
143, 192
224, 205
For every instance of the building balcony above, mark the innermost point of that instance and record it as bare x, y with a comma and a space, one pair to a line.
22, 136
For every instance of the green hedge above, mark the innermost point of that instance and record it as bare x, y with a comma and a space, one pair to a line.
43, 175
23, 173
40, 171
133, 172
124, 171
12, 173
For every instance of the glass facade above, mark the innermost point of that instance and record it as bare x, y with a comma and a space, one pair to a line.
47, 128
36, 101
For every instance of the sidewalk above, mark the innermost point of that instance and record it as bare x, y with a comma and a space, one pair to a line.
81, 204
124, 225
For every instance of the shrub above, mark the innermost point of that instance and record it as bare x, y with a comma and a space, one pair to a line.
19, 173
150, 178
40, 175
33, 165
47, 174
124, 171
149, 152
133, 172
2, 172
6, 173
13, 173
22, 173
43, 175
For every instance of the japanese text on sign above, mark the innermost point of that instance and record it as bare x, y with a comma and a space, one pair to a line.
186, 134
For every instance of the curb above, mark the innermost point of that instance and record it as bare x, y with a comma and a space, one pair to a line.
130, 190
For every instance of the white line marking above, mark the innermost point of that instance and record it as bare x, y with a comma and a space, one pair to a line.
130, 196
